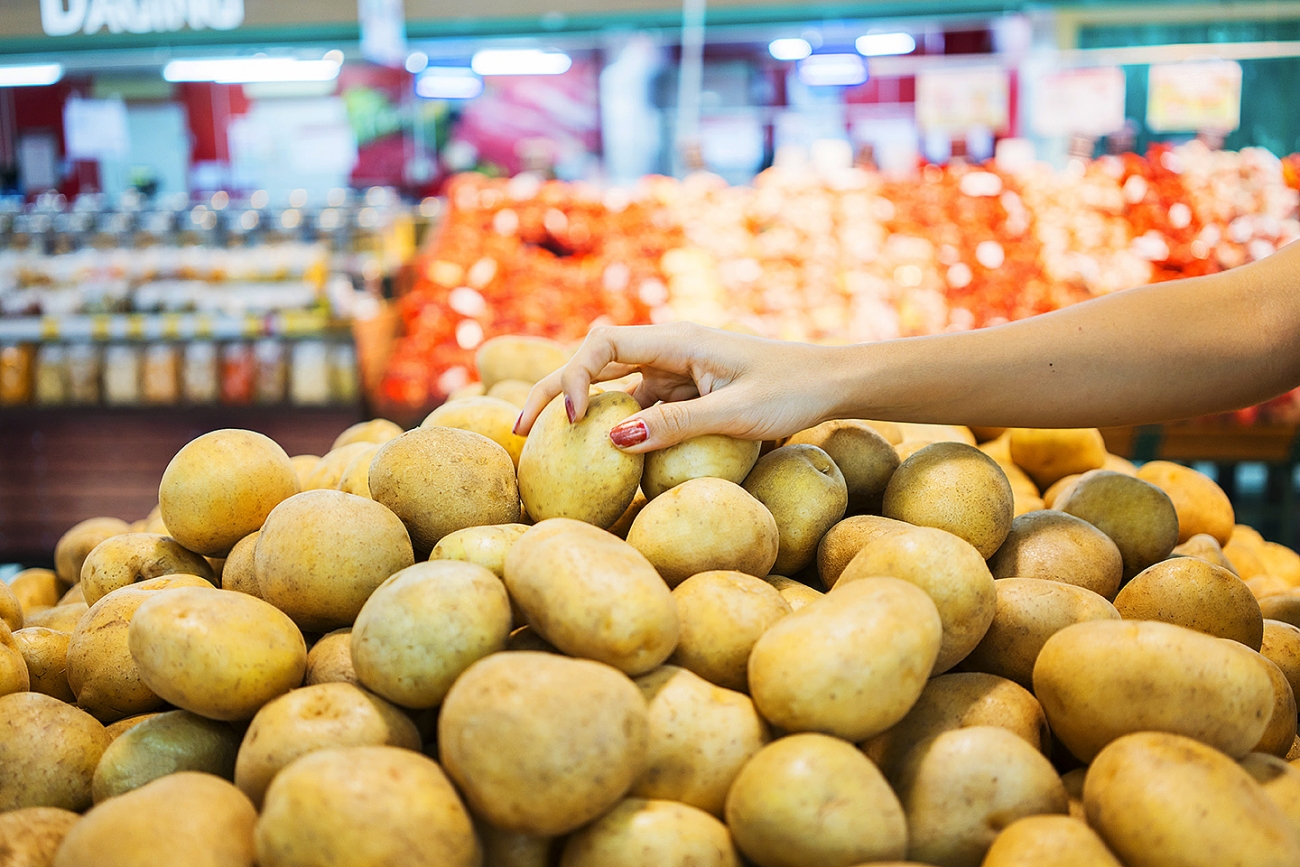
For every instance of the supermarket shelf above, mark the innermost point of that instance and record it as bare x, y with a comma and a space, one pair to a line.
1196, 441
120, 327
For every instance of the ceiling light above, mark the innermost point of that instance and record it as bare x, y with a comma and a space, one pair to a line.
30, 74
417, 62
792, 48
448, 82
245, 70
828, 70
882, 44
520, 61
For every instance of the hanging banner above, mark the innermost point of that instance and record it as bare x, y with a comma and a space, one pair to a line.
955, 100
1087, 102
1199, 95
383, 31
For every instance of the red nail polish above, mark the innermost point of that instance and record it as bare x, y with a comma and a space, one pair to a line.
515, 429
568, 408
629, 433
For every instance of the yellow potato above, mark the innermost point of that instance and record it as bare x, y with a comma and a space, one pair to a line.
949, 570
1160, 800
644, 833
221, 486
164, 744
1073, 782
186, 818
935, 433
887, 429
61, 618
795, 593
623, 525
805, 492
240, 573
851, 664
1201, 504
512, 391
329, 471
1283, 606
30, 837
961, 787
73, 546
1207, 548
704, 525
38, 587
865, 458
1117, 464
1282, 645
356, 475
527, 359
953, 487
1030, 611
322, 553
484, 546
721, 615
1060, 489
74, 594
129, 558
14, 676
492, 417
843, 541
1181, 682
1280, 561
46, 653
11, 610
511, 849
330, 659
1048, 455
1061, 841
1189, 592
219, 654
1137, 516
710, 456
303, 466
1242, 550
1281, 782
439, 480
1281, 732
542, 744
424, 626
1266, 586
808, 800
377, 431
48, 752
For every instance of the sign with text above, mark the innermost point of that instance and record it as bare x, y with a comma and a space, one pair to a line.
1199, 95
66, 17
955, 100
1088, 102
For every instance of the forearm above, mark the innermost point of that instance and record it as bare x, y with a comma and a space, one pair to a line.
1151, 354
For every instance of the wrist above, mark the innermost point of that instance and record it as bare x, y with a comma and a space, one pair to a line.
853, 375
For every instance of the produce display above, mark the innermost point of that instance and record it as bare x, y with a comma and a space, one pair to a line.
873, 643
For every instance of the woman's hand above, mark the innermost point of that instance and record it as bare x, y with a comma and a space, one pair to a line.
694, 381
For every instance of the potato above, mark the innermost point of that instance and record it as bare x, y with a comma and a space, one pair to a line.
1073, 782
1061, 841
187, 818
721, 615
1189, 592
999, 448
542, 744
129, 558
46, 653
1243, 550
330, 469
865, 458
806, 494
164, 744
513, 391
644, 833
14, 676
303, 466
955, 701
1060, 489
485, 546
1265, 586
322, 553
809, 800
1281, 731
935, 433
74, 594
1281, 782
313, 718
1282, 645
1201, 504
511, 849
1059, 547
843, 541
1280, 561
1182, 682
73, 546
961, 787
527, 359
221, 486
1030, 611
219, 654
953, 487
439, 480
11, 610
1207, 548
30, 837
117, 729
330, 659
621, 527
593, 595
474, 389
1137, 516
1048, 455
1284, 607
240, 572
376, 431
795, 593
573, 470
710, 456
851, 664
949, 570
61, 618
1160, 800
492, 417
37, 587
424, 626
48, 752
704, 525
356, 475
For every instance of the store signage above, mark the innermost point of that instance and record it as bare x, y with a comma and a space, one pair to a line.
1194, 96
1087, 102
66, 17
956, 100
383, 31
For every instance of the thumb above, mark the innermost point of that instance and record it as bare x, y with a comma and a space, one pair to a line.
666, 424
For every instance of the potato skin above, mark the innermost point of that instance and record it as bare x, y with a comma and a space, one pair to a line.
1189, 683
806, 494
1048, 455
487, 546
330, 660
101, 671
644, 833
29, 837
1160, 800
710, 456
843, 541
1062, 841
129, 558
376, 431
164, 744
721, 615
865, 458
1201, 504
37, 588
518, 357
48, 752
1281, 732
1055, 546
953, 487
492, 417
1189, 592
73, 546
1138, 517
14, 676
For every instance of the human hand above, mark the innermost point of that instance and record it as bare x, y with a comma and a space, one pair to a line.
694, 381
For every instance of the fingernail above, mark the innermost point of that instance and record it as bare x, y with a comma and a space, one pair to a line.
515, 429
568, 408
629, 433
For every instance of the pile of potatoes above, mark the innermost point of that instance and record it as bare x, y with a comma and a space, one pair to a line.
452, 646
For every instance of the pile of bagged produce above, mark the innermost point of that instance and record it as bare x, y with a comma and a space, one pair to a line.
872, 643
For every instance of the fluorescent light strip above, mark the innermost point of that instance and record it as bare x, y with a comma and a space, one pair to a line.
789, 49
520, 61
885, 44
30, 74
448, 82
832, 70
248, 70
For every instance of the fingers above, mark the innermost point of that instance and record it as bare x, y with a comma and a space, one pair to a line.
666, 424
538, 397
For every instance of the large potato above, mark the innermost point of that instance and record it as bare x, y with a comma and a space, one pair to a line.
864, 456
573, 470
1061, 841
221, 486
1163, 800
30, 837
1047, 455
38, 588
439, 480
164, 744
805, 492
710, 456
721, 615
129, 558
700, 737
593, 595
1202, 506
330, 659
377, 431
843, 541
1281, 731
424, 626
810, 800
186, 818
953, 487
948, 569
703, 525
1179, 681
48, 752
961, 787
1030, 611
14, 676
520, 357
219, 654
1137, 516
73, 546
314, 718
644, 833
46, 653
1187, 591
851, 664
542, 744
492, 417
322, 553
1055, 546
